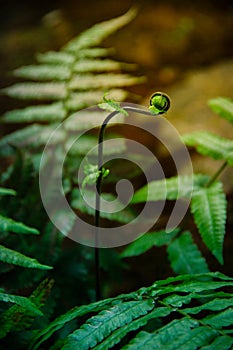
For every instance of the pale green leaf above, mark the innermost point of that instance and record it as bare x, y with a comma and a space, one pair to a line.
12, 257
208, 206
110, 203
21, 301
43, 113
84, 99
37, 91
88, 143
96, 65
222, 106
43, 72
210, 145
33, 135
7, 224
87, 118
185, 257
147, 241
97, 33
103, 81
56, 58
7, 191
171, 189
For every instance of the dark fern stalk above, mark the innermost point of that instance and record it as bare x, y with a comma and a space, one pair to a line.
159, 104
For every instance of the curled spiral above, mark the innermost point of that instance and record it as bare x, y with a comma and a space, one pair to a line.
60, 210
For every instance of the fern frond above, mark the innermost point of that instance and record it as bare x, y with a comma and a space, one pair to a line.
21, 301
223, 342
7, 191
87, 142
171, 189
117, 214
99, 327
95, 65
222, 106
96, 34
7, 224
208, 206
43, 72
33, 135
87, 119
185, 256
12, 257
37, 91
56, 58
210, 145
114, 319
147, 241
82, 99
45, 113
102, 81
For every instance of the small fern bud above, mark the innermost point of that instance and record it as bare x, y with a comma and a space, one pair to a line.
159, 103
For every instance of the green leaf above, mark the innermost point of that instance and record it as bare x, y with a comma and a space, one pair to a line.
119, 333
7, 191
116, 214
221, 319
37, 91
33, 135
147, 241
99, 327
44, 113
210, 145
56, 58
97, 33
84, 99
184, 255
222, 106
208, 206
111, 106
12, 257
21, 301
88, 142
7, 224
162, 338
223, 342
88, 118
43, 72
171, 189
94, 65
102, 81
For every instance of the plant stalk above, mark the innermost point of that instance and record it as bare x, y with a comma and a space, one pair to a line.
98, 190
216, 175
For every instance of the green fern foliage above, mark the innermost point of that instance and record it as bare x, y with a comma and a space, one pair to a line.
174, 306
7, 224
147, 241
211, 145
12, 257
71, 79
223, 107
171, 189
7, 191
184, 255
208, 206
20, 301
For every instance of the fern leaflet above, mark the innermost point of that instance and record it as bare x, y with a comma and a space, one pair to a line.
208, 206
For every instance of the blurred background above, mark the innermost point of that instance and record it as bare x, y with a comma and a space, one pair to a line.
183, 48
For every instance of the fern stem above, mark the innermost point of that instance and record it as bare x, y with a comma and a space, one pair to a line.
216, 175
98, 189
